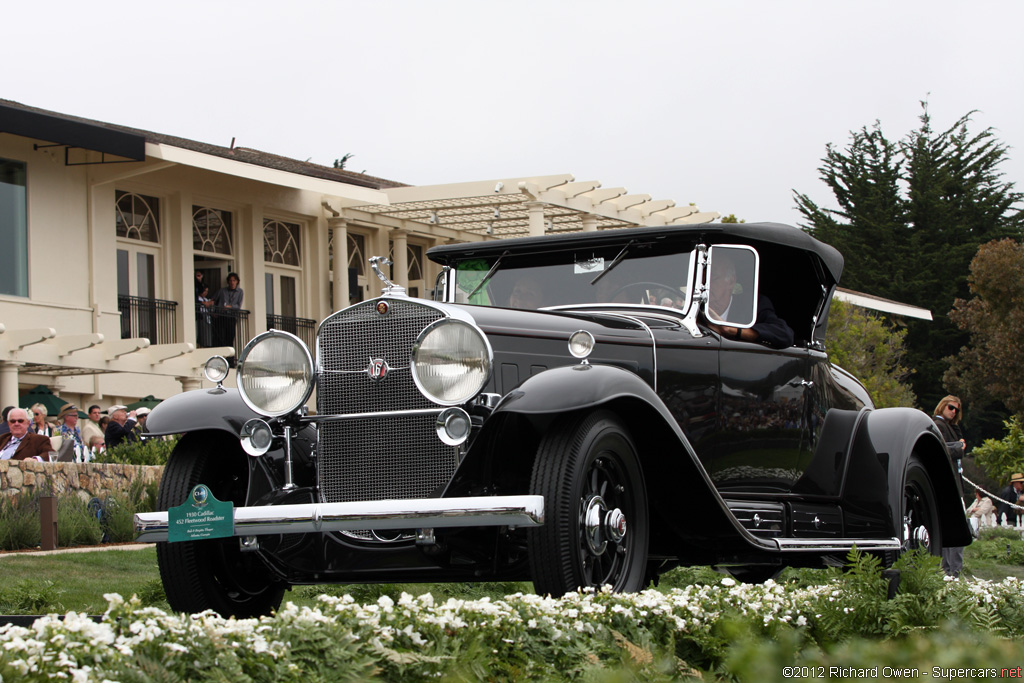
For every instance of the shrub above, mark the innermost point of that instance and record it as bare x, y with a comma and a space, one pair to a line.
19, 521
76, 522
154, 451
29, 596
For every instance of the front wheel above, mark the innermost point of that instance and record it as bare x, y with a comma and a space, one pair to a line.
596, 524
214, 573
920, 509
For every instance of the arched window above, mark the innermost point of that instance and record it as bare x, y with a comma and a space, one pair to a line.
211, 230
137, 217
281, 242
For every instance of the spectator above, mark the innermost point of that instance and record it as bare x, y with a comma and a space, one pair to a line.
947, 415
228, 302
982, 506
72, 442
20, 443
119, 430
92, 431
1011, 493
142, 414
4, 428
39, 424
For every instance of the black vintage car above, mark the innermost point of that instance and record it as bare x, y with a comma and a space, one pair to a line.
578, 410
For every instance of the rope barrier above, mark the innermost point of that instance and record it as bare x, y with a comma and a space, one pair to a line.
992, 495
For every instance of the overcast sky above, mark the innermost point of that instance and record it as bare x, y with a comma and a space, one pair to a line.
726, 104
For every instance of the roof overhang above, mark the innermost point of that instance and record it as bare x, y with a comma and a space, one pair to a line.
877, 303
347, 195
62, 131
501, 208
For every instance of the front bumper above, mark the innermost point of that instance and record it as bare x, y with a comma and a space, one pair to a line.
422, 513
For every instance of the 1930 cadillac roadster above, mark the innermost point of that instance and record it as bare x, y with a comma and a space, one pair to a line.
578, 410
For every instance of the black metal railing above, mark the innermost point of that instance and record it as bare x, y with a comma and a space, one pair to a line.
303, 328
220, 326
153, 319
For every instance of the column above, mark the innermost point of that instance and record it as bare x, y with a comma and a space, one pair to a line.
589, 222
339, 234
190, 383
400, 238
9, 383
535, 211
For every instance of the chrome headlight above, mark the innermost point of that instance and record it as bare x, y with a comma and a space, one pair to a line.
275, 373
451, 361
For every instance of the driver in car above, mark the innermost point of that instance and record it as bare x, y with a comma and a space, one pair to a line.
769, 329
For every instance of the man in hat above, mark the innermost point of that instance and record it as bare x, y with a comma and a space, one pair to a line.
18, 443
120, 428
71, 435
1012, 493
141, 414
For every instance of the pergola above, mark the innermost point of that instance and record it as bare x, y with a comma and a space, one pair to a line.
515, 207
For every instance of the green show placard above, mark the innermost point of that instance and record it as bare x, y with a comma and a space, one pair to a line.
200, 516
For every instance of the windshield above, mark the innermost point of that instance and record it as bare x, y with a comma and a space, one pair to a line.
559, 279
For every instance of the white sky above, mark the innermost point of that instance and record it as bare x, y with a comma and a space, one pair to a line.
727, 104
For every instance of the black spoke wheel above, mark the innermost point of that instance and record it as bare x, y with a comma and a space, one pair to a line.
596, 525
213, 573
920, 510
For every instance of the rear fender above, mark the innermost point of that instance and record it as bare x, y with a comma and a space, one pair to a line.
885, 440
202, 409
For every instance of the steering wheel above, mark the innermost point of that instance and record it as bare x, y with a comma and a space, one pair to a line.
659, 288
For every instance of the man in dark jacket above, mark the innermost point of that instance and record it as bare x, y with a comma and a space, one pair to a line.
120, 428
1012, 493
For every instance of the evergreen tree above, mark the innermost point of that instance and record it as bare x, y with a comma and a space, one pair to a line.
911, 217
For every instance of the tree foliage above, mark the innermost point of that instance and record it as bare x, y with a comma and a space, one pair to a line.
866, 346
1001, 458
990, 365
911, 214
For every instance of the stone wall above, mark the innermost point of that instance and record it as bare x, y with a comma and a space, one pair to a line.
88, 480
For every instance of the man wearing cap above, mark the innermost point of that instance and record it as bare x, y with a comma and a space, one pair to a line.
141, 414
1012, 493
70, 433
18, 443
120, 428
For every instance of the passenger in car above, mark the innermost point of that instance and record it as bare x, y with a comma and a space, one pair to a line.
527, 294
769, 329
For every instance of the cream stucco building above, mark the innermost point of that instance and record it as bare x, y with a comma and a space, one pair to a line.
103, 228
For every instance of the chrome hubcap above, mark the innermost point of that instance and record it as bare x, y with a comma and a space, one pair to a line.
601, 525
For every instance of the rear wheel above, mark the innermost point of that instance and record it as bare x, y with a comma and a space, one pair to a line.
214, 573
596, 526
920, 509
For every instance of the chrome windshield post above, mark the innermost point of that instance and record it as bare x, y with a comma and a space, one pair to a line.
700, 291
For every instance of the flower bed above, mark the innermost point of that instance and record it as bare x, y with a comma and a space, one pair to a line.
723, 630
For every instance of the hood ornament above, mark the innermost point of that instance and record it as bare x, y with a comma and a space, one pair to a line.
390, 288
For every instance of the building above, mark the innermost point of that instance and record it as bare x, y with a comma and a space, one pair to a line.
104, 228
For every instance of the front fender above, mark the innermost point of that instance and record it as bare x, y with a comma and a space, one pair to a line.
218, 408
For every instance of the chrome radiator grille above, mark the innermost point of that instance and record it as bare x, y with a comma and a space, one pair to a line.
376, 458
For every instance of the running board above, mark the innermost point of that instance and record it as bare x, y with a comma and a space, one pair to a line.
836, 545
422, 513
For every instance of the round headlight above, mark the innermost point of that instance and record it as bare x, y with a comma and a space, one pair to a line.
451, 362
581, 343
216, 369
275, 373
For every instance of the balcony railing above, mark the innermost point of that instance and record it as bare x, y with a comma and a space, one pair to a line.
153, 319
303, 328
220, 326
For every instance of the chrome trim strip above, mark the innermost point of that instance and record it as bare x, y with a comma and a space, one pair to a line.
362, 416
374, 515
836, 545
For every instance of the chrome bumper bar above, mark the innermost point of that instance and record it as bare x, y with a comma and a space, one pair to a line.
421, 513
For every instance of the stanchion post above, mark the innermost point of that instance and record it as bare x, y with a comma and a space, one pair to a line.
48, 520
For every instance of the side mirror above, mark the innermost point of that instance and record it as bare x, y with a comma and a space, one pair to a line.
732, 284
